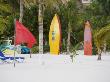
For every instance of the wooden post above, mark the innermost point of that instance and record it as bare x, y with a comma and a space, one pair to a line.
30, 54
14, 40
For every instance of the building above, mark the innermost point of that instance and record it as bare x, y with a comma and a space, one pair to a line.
86, 1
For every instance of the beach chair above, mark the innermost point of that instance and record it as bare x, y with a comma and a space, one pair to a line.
10, 59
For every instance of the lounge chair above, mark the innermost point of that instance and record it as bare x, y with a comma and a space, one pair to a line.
10, 59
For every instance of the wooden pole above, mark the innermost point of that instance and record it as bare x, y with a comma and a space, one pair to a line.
30, 53
14, 40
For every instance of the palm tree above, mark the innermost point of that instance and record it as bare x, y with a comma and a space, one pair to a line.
40, 20
68, 38
100, 37
72, 18
21, 10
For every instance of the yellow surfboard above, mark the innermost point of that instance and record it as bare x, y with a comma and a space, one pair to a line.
55, 35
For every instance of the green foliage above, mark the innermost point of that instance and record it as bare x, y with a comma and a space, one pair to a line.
5, 8
70, 20
2, 25
96, 14
30, 19
35, 49
7, 15
70, 15
46, 48
101, 35
105, 4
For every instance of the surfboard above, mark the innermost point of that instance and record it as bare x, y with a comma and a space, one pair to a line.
87, 39
55, 35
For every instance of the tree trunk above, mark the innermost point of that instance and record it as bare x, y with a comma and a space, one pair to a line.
21, 11
40, 20
68, 40
105, 45
99, 54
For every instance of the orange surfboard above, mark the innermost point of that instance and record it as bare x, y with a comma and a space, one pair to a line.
55, 35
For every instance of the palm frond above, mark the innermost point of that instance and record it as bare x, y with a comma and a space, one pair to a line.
101, 35
5, 8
